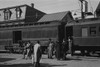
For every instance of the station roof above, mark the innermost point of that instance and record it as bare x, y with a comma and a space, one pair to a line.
54, 17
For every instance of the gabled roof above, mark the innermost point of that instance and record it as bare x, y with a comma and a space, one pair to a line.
54, 16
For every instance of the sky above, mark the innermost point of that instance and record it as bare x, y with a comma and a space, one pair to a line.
50, 6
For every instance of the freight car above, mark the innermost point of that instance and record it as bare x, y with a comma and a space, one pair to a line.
85, 34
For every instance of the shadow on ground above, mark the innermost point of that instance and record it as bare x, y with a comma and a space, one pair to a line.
24, 65
77, 59
58, 65
30, 65
6, 59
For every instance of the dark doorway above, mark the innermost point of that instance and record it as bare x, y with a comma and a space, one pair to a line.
61, 32
17, 35
69, 31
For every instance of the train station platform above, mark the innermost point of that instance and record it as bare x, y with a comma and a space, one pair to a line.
15, 60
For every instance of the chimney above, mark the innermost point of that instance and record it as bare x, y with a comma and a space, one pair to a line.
32, 5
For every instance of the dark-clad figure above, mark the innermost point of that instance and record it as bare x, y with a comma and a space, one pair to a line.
37, 54
24, 50
64, 49
28, 48
58, 50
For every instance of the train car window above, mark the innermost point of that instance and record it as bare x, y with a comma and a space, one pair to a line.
92, 30
84, 32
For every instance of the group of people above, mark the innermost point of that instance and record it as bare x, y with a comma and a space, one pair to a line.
58, 49
34, 53
27, 50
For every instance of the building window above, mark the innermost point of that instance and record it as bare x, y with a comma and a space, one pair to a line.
7, 14
84, 32
92, 30
18, 12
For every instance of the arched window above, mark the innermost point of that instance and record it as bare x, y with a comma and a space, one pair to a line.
18, 12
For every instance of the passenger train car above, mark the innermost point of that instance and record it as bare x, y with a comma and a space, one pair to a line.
85, 34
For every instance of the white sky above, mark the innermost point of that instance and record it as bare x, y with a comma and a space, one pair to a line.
50, 6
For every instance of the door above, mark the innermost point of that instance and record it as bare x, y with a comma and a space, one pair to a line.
69, 32
17, 35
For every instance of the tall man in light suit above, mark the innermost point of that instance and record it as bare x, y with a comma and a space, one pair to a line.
37, 54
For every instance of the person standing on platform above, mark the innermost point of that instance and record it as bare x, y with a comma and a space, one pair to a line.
70, 42
58, 50
48, 46
64, 49
24, 50
50, 50
28, 48
37, 54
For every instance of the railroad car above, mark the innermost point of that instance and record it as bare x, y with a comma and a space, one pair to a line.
85, 34
34, 32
